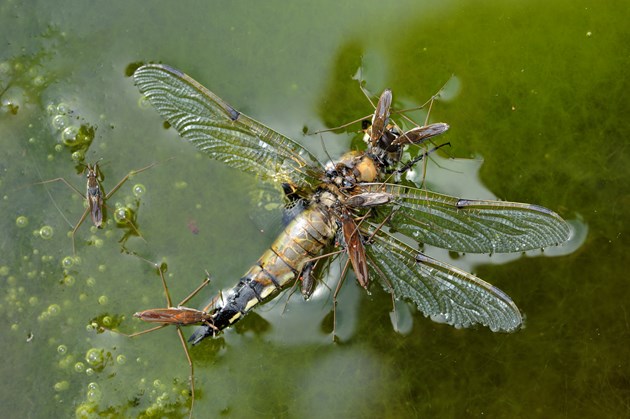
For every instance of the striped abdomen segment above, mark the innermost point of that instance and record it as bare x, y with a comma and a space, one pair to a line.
304, 238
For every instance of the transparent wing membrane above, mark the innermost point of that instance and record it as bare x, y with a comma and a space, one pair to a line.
220, 131
475, 226
442, 292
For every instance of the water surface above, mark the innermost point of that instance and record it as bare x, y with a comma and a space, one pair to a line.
541, 108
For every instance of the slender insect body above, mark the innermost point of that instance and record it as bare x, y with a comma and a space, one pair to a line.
94, 195
174, 315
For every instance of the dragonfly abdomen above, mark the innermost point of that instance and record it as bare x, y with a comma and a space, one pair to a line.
304, 238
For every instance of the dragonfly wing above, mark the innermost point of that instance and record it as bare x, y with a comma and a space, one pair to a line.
475, 226
442, 292
220, 131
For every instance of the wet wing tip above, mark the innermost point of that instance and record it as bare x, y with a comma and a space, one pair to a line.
146, 69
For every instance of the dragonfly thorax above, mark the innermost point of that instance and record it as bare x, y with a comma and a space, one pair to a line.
327, 198
353, 167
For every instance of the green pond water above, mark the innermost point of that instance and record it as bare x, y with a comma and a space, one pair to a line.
538, 107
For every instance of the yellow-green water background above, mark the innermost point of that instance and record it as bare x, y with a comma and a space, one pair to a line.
543, 99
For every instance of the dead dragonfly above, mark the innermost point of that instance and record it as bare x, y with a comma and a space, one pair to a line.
177, 316
96, 197
440, 291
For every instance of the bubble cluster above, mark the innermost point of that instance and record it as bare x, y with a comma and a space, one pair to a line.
94, 393
59, 122
71, 130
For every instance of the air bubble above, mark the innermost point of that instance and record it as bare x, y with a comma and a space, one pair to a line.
79, 367
94, 393
122, 215
69, 135
21, 221
139, 190
84, 411
61, 386
39, 81
78, 156
46, 232
63, 108
67, 262
94, 356
53, 309
59, 122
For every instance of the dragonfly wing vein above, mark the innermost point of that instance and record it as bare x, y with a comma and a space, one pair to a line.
217, 129
442, 292
474, 226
